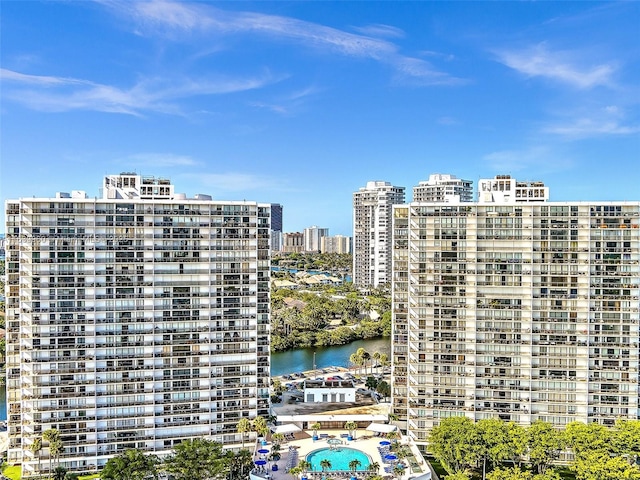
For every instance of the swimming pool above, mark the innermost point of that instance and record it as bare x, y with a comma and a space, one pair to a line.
339, 458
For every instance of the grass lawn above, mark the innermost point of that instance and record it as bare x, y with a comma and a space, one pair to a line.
439, 469
13, 472
89, 477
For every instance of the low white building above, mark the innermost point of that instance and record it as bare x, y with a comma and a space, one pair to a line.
333, 391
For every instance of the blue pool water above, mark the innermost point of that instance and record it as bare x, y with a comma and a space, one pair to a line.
339, 458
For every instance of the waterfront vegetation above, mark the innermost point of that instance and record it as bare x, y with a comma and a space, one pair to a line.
495, 450
327, 315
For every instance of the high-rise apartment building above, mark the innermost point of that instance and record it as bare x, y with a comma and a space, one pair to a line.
443, 188
293, 242
522, 311
372, 223
504, 189
276, 227
335, 244
134, 320
312, 238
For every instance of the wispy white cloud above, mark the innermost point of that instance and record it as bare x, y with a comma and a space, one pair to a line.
161, 160
589, 127
157, 16
537, 159
604, 121
380, 30
561, 66
59, 94
287, 104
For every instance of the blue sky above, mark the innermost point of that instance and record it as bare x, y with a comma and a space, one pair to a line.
302, 103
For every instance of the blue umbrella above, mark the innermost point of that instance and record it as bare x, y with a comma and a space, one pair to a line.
390, 457
263, 451
261, 462
385, 442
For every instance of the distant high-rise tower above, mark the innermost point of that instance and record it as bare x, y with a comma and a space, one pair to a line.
312, 236
504, 189
276, 227
372, 215
135, 320
516, 308
335, 244
443, 188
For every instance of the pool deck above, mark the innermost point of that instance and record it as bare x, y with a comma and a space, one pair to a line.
365, 441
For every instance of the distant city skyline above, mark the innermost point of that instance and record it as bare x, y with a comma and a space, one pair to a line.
302, 103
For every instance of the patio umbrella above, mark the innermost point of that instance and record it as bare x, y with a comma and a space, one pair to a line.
263, 451
385, 442
390, 457
260, 462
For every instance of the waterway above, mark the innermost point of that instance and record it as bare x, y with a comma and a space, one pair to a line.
302, 359
293, 360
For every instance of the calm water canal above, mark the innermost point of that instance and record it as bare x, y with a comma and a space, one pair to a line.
301, 360
293, 360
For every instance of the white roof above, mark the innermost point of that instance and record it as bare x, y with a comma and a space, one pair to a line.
286, 428
381, 427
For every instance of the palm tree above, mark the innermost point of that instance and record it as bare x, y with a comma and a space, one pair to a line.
59, 473
351, 426
356, 360
315, 427
260, 426
373, 467
55, 446
244, 426
304, 465
295, 471
325, 464
366, 356
398, 471
277, 438
376, 356
354, 464
36, 448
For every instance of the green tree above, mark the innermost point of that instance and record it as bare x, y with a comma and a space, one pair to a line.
239, 464
131, 464
260, 426
351, 427
626, 439
315, 427
545, 445
455, 444
59, 473
458, 476
354, 464
244, 427
304, 465
325, 464
277, 438
36, 448
357, 360
602, 466
197, 459
585, 438
518, 438
371, 383
494, 446
384, 389
52, 436
373, 467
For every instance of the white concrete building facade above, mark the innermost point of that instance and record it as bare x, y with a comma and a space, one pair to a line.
135, 320
443, 188
372, 223
519, 311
